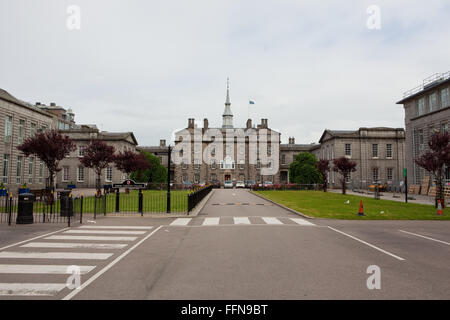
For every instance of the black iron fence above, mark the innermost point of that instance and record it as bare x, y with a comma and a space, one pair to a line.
53, 210
63, 208
196, 196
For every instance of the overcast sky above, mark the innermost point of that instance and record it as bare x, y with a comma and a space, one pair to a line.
148, 66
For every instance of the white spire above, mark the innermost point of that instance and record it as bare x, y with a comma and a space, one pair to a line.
227, 117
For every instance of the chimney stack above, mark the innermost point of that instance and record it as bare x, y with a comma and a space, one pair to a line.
52, 104
249, 123
191, 123
162, 143
264, 123
291, 140
205, 124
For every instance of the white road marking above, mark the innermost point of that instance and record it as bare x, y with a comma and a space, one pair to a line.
44, 235
211, 221
105, 231
91, 238
117, 227
74, 245
180, 222
40, 269
30, 289
109, 266
241, 220
425, 237
368, 244
54, 255
271, 220
302, 222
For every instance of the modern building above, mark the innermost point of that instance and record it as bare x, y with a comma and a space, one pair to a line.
378, 152
18, 121
73, 171
427, 109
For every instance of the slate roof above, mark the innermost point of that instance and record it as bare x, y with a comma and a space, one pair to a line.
5, 95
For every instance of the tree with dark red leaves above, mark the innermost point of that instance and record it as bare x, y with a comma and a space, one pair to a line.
98, 155
51, 147
344, 166
323, 166
435, 159
129, 161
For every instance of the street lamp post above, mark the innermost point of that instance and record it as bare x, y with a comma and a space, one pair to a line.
168, 179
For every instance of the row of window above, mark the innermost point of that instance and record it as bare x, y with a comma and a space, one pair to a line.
434, 101
65, 174
443, 127
28, 175
228, 150
196, 177
21, 129
389, 174
224, 165
375, 175
375, 150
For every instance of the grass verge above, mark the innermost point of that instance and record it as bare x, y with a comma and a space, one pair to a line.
329, 205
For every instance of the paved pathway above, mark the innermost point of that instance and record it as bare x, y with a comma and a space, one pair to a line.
238, 247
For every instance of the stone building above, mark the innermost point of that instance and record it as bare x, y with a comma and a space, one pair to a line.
427, 109
161, 152
62, 119
289, 151
18, 121
378, 152
74, 173
241, 159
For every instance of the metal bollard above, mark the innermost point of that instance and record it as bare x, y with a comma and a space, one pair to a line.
140, 202
10, 208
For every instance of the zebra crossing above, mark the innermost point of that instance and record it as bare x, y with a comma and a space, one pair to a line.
226, 221
49, 260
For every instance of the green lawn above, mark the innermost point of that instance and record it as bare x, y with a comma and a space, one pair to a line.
332, 206
153, 201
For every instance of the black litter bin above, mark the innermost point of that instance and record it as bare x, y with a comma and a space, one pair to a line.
66, 203
25, 208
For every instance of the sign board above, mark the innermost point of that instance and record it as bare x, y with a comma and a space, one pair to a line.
404, 172
129, 184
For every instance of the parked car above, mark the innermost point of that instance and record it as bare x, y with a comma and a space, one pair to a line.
187, 184
215, 183
228, 184
240, 184
249, 183
268, 183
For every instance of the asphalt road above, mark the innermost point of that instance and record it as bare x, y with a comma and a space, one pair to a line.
238, 247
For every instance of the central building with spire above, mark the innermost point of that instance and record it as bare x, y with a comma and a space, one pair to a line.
227, 167
227, 117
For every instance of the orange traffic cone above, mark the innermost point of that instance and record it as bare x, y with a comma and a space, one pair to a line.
439, 208
361, 209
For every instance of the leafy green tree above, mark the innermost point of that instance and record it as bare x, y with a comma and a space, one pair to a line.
156, 173
304, 169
